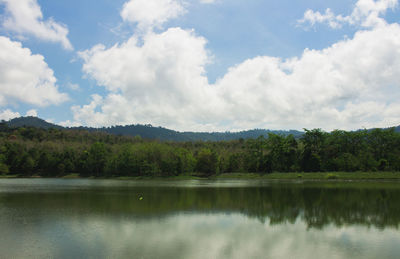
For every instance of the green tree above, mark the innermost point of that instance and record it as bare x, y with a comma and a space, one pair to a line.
313, 141
207, 162
97, 159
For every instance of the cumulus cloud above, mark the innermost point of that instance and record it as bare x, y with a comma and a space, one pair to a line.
350, 84
150, 81
25, 17
208, 1
160, 78
151, 13
8, 114
26, 77
32, 112
366, 13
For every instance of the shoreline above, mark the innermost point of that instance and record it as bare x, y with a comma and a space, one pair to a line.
241, 176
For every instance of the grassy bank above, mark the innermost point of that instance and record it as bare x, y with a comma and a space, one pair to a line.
77, 176
246, 176
315, 176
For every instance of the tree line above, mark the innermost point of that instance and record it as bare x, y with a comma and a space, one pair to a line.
28, 151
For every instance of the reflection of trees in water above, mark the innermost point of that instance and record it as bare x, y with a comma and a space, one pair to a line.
280, 204
379, 208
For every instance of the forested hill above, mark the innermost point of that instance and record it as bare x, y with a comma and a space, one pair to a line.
160, 133
32, 122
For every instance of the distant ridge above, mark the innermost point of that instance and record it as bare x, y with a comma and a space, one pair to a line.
31, 122
160, 133
150, 132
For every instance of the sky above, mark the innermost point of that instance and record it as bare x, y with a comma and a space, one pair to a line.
202, 65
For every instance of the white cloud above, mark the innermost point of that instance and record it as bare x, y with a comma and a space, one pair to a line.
88, 113
74, 87
8, 115
32, 112
150, 81
25, 17
25, 77
151, 13
366, 13
348, 85
328, 17
208, 1
160, 78
67, 123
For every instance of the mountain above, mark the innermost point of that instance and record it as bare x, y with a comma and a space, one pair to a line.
31, 122
150, 132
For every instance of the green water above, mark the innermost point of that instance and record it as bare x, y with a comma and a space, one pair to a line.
56, 218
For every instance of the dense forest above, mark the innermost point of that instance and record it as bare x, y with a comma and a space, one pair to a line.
55, 152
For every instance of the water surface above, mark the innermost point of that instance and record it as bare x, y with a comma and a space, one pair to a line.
61, 218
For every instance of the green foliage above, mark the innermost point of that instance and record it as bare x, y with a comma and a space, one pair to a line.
207, 161
4, 168
331, 176
55, 152
383, 165
96, 159
347, 162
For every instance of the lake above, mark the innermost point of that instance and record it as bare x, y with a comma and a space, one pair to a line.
81, 218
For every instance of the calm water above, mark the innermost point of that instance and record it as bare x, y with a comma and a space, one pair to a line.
42, 218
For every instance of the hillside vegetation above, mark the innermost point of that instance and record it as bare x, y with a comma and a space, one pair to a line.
53, 152
159, 133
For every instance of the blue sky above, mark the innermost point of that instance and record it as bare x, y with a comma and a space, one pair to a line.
202, 65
